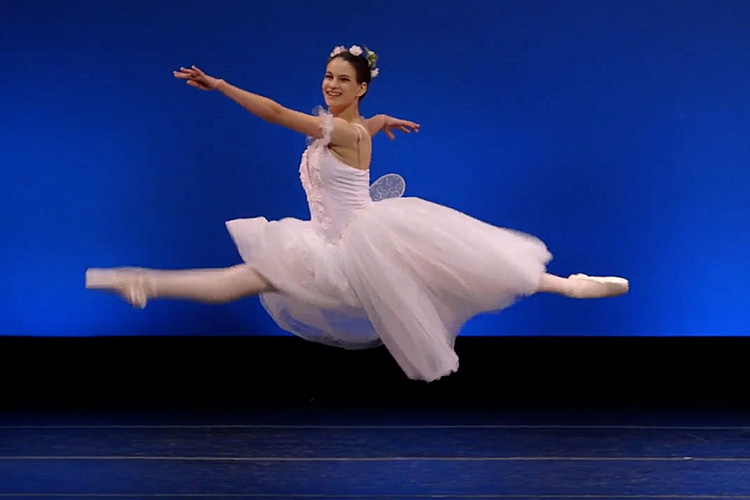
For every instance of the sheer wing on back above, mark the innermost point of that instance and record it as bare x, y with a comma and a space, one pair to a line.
388, 186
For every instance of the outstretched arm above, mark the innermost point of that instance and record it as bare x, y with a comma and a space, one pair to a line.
343, 132
388, 124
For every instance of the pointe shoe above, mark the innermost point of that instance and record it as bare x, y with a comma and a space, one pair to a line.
597, 287
100, 279
130, 283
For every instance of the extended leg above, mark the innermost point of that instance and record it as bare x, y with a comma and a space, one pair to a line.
213, 286
580, 286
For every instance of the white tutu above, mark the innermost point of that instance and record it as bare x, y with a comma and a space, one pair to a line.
404, 272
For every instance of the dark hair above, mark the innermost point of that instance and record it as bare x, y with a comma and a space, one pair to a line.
361, 68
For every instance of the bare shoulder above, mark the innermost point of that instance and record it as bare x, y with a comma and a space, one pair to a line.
356, 154
344, 133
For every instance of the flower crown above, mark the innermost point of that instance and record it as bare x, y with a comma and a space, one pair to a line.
356, 50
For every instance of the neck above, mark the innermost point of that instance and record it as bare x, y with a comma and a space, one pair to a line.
349, 113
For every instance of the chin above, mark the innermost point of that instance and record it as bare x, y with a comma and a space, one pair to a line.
338, 103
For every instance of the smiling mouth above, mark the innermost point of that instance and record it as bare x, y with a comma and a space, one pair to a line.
329, 94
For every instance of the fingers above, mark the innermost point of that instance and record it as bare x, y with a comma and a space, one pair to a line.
187, 72
194, 76
404, 124
390, 135
414, 126
197, 85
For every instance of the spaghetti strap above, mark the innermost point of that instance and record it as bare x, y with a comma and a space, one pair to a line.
359, 142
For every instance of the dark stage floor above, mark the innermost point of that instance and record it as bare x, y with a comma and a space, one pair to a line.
281, 418
376, 454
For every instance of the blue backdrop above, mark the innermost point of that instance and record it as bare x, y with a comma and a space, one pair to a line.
616, 131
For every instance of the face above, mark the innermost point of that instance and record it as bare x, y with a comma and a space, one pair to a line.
340, 87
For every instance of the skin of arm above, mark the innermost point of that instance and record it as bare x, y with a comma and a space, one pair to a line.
343, 133
375, 124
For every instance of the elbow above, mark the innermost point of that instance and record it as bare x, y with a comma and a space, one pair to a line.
275, 113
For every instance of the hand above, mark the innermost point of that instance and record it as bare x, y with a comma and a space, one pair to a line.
197, 78
392, 123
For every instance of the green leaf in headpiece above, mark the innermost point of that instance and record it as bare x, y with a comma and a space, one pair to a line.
372, 57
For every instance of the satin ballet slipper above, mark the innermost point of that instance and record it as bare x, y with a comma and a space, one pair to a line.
130, 283
583, 286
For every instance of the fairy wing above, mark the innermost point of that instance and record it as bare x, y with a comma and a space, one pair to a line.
388, 186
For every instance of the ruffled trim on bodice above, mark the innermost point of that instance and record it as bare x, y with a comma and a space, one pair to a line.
310, 169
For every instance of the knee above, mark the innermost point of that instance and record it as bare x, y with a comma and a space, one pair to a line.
250, 279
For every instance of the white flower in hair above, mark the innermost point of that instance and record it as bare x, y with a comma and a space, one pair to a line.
374, 72
355, 50
338, 50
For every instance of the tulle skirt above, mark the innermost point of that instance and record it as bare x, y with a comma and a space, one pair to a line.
406, 272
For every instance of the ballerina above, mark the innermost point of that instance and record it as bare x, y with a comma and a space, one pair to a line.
364, 270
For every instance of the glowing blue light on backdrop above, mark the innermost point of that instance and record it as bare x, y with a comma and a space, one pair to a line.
615, 131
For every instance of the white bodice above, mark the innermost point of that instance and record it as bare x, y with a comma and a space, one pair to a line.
335, 190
